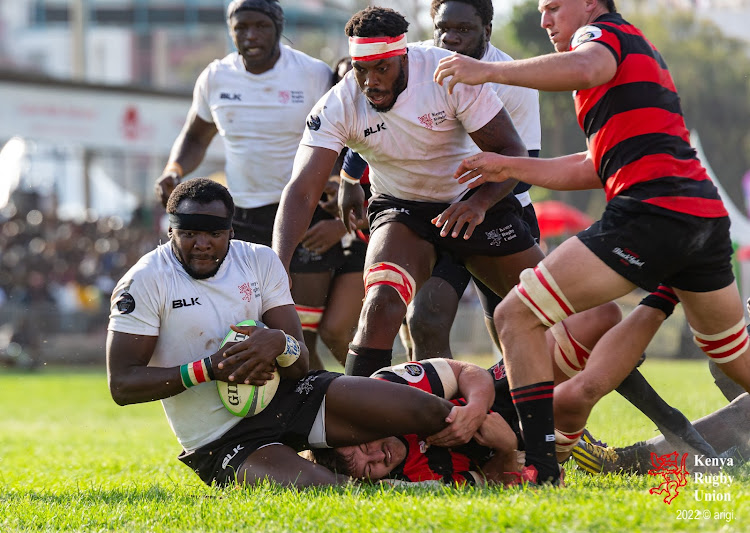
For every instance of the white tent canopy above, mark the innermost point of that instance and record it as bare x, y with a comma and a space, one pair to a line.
740, 229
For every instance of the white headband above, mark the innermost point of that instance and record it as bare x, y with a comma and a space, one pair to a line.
372, 48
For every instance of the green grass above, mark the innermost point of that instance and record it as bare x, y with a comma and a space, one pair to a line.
71, 459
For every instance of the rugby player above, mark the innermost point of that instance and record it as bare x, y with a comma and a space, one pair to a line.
492, 455
664, 221
257, 99
168, 316
410, 132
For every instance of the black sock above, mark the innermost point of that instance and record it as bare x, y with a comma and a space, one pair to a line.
672, 423
363, 361
533, 404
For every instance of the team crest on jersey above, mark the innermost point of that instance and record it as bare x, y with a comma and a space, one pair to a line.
498, 371
246, 291
585, 34
409, 371
426, 121
313, 122
126, 303
295, 97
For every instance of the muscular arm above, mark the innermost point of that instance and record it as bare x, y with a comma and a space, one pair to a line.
475, 385
499, 135
567, 173
191, 144
285, 318
130, 379
312, 167
188, 151
589, 65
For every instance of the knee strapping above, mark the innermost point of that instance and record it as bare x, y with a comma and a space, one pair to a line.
726, 346
392, 275
539, 291
570, 355
310, 317
565, 442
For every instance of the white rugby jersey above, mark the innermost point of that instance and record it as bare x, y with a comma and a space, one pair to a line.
191, 318
413, 149
521, 103
260, 118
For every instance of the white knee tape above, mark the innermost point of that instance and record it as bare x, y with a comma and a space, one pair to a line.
310, 317
565, 442
725, 346
570, 355
392, 275
543, 296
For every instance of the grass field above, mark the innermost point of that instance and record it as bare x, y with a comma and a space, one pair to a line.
71, 459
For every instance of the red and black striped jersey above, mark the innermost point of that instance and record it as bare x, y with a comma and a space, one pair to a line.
422, 462
635, 128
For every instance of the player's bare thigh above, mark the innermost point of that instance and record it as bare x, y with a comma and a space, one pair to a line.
281, 464
396, 243
717, 312
714, 311
584, 279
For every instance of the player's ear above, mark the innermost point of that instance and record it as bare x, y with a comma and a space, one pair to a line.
169, 232
231, 233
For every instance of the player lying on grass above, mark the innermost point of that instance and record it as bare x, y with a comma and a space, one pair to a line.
172, 309
726, 429
492, 454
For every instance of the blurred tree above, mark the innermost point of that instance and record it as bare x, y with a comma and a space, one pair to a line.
710, 69
522, 37
712, 74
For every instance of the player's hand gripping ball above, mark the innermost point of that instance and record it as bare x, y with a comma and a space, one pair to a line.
241, 399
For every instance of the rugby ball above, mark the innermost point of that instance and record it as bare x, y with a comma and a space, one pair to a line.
246, 400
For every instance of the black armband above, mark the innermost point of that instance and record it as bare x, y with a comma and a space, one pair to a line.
662, 298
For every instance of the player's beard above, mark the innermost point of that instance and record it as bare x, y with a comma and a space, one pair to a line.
190, 271
479, 50
398, 87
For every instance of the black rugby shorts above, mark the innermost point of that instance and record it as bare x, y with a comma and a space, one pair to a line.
503, 231
652, 246
457, 275
256, 225
287, 420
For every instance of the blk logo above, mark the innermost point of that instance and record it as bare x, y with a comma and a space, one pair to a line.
176, 304
233, 96
374, 129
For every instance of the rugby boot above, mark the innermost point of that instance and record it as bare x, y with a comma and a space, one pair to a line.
595, 457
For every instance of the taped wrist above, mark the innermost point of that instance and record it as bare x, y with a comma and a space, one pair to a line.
197, 372
291, 352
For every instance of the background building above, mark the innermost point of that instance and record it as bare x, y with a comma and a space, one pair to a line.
92, 96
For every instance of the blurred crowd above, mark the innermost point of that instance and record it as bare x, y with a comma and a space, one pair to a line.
57, 275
